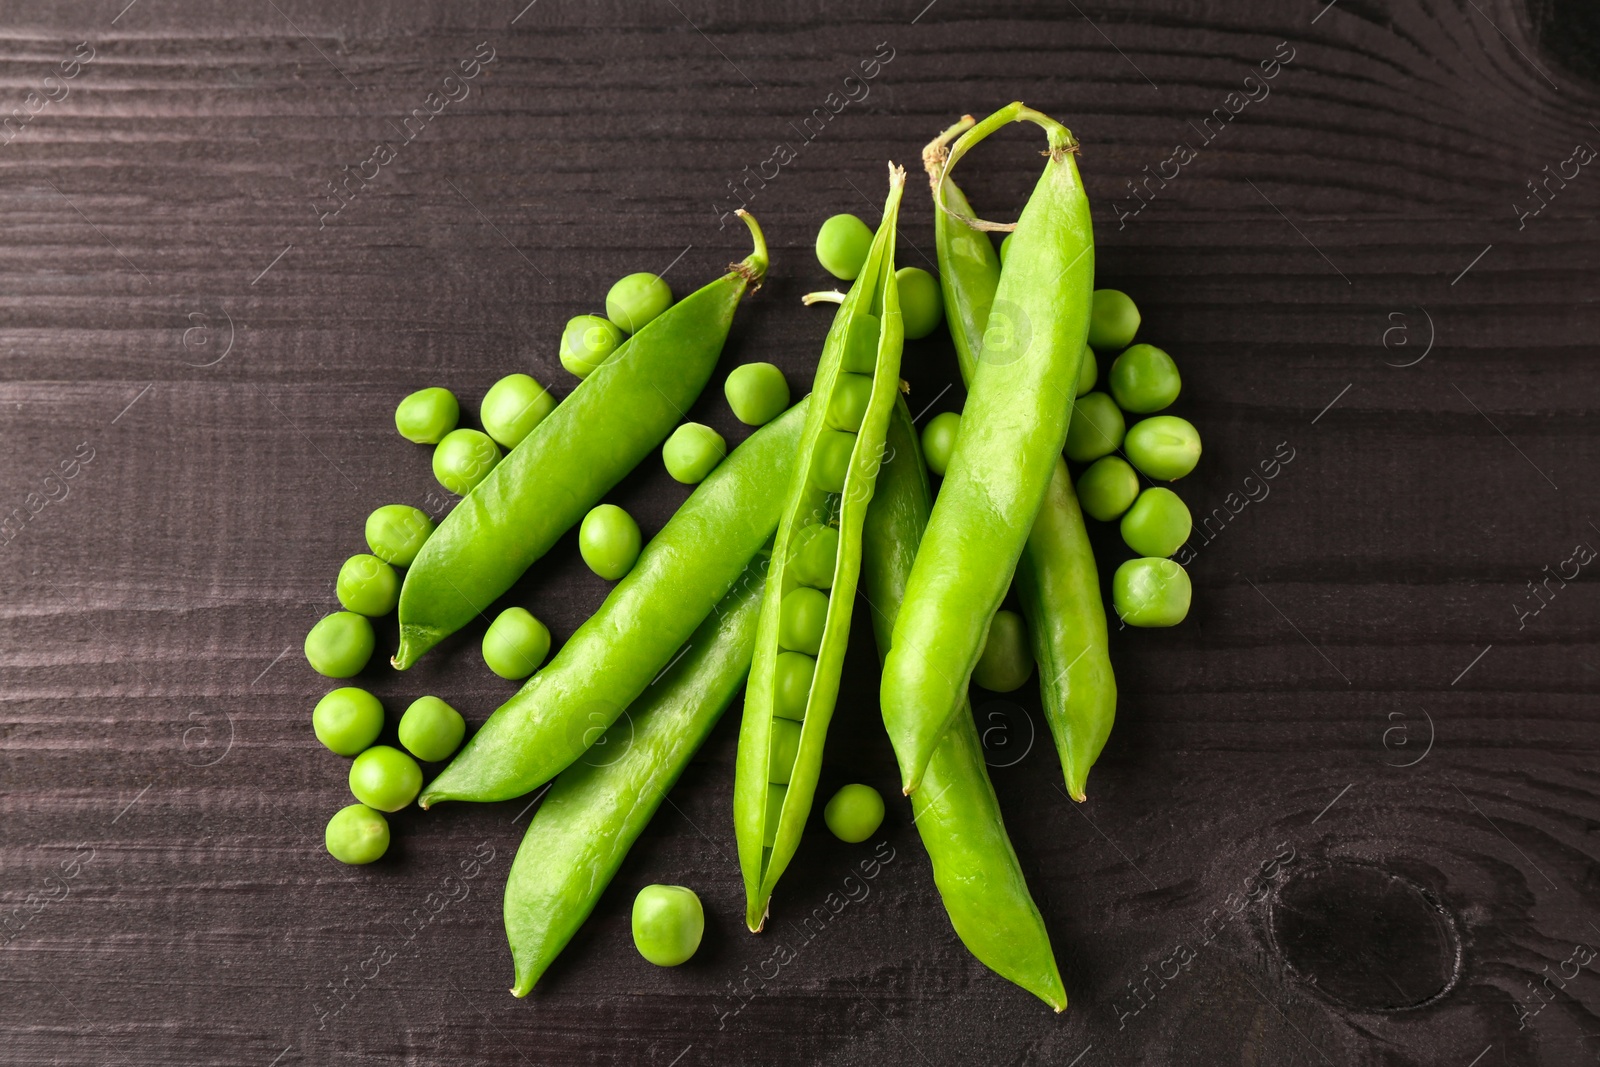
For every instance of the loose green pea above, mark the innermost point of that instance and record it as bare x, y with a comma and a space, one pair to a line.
1151, 592
347, 720
757, 393
1144, 379
424, 417
1096, 429
356, 834
692, 452
775, 795
515, 644
1113, 320
395, 533
854, 813
1107, 488
609, 541
801, 621
340, 644
830, 463
385, 778
921, 304
851, 395
1005, 246
939, 440
367, 585
814, 554
587, 342
636, 299
1163, 446
1158, 523
431, 729
512, 407
843, 244
668, 923
1007, 659
463, 459
784, 749
792, 674
1088, 372
861, 346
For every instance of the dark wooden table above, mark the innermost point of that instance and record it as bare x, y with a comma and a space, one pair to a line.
1351, 810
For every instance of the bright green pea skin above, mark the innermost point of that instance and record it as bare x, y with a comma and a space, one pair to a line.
939, 440
347, 720
1164, 447
921, 304
1144, 379
792, 672
854, 813
757, 393
431, 730
804, 616
609, 541
1108, 488
424, 417
356, 835
851, 394
861, 348
1158, 523
1151, 592
515, 644
1113, 320
842, 246
368, 586
692, 452
339, 645
1005, 246
830, 462
785, 749
588, 341
512, 407
1096, 430
815, 555
463, 459
1088, 373
395, 533
636, 299
385, 778
668, 923
1007, 659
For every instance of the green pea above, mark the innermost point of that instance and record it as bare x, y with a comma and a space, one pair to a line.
1158, 523
431, 729
385, 778
1107, 488
792, 674
851, 395
939, 440
367, 585
1144, 379
356, 834
814, 555
463, 459
854, 813
1088, 372
395, 533
1163, 446
1151, 592
340, 644
692, 452
1096, 429
830, 463
783, 751
1005, 246
635, 300
424, 417
843, 244
1113, 320
668, 923
516, 643
861, 346
512, 407
775, 795
609, 541
347, 720
921, 304
801, 621
757, 393
587, 342
1007, 659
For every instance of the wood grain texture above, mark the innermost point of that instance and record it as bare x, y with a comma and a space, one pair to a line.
171, 305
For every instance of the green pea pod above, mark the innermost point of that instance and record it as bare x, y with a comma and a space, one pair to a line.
1011, 435
781, 742
597, 808
680, 576
955, 812
1057, 582
597, 435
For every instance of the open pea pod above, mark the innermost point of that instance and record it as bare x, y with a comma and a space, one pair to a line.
816, 561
